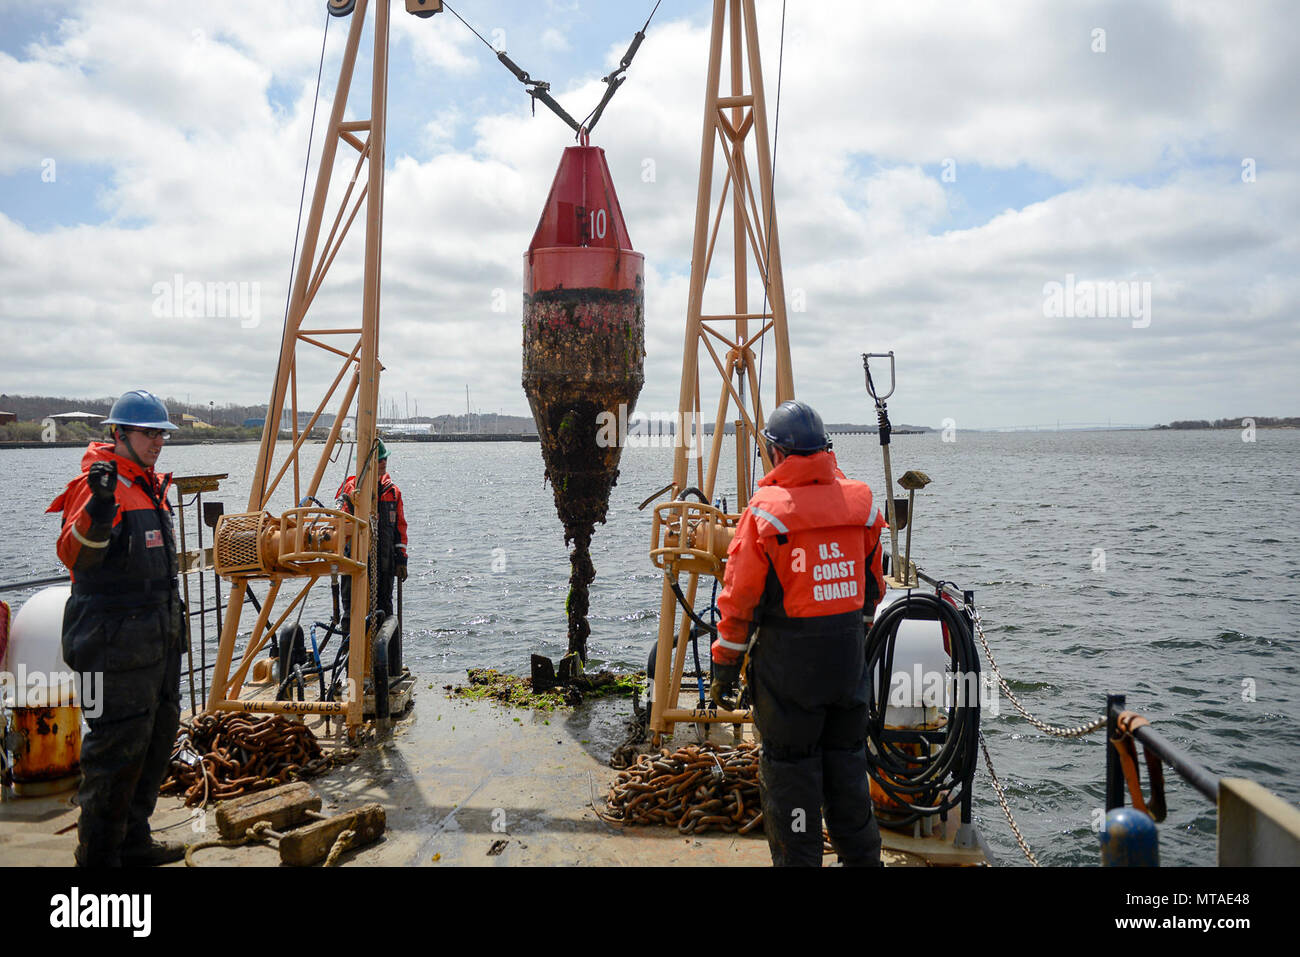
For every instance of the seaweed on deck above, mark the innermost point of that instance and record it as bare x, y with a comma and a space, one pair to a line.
493, 685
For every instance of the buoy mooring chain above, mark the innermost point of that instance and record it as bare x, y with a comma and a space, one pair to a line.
696, 788
223, 755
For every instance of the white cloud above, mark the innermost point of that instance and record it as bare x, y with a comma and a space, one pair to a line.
553, 40
434, 43
1149, 137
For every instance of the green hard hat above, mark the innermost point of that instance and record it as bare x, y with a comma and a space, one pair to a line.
383, 450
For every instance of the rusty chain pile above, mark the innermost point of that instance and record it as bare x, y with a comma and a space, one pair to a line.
696, 788
226, 754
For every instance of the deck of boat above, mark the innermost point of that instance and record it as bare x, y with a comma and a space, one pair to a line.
463, 783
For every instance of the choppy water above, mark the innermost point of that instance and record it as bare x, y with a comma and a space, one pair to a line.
1197, 604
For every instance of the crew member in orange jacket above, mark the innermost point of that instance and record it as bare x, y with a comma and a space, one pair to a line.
391, 548
124, 622
804, 569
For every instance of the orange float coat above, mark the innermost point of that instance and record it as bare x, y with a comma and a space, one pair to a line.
806, 555
129, 548
392, 518
124, 622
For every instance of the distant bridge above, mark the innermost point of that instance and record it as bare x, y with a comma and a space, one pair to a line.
1063, 427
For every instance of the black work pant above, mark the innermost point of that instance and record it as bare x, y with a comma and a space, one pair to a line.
131, 663
810, 706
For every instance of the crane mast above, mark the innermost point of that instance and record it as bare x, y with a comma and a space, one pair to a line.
690, 537
291, 552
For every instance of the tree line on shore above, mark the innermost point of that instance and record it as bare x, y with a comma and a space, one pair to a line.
33, 424
226, 420
1259, 421
35, 408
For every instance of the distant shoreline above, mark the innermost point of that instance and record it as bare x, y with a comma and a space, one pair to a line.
440, 437
533, 437
84, 442
1230, 427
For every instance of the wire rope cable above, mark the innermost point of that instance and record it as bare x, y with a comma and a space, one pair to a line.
540, 89
771, 211
613, 81
297, 232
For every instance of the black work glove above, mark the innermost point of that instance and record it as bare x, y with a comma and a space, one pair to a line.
401, 571
102, 480
723, 687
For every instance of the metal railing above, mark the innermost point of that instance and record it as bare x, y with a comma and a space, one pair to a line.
1193, 773
188, 675
35, 583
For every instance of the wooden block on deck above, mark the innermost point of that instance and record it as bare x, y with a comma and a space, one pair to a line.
284, 807
311, 844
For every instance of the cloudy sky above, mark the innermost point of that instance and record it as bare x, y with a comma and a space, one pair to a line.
954, 182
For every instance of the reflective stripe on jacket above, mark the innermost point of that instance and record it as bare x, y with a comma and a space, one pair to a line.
806, 555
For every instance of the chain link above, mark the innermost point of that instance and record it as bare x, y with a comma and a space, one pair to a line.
1076, 732
1002, 799
372, 569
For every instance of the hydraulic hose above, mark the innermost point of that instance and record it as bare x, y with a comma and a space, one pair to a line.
703, 625
917, 782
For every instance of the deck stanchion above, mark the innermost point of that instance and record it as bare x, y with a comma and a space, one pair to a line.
1114, 772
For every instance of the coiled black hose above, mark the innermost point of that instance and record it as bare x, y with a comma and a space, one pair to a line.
917, 782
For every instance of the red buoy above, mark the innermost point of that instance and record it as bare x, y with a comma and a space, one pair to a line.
584, 346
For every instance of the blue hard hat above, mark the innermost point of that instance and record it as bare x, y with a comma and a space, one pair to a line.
795, 429
140, 409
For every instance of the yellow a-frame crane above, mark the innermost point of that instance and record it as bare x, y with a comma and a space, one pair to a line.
310, 541
690, 537
292, 551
